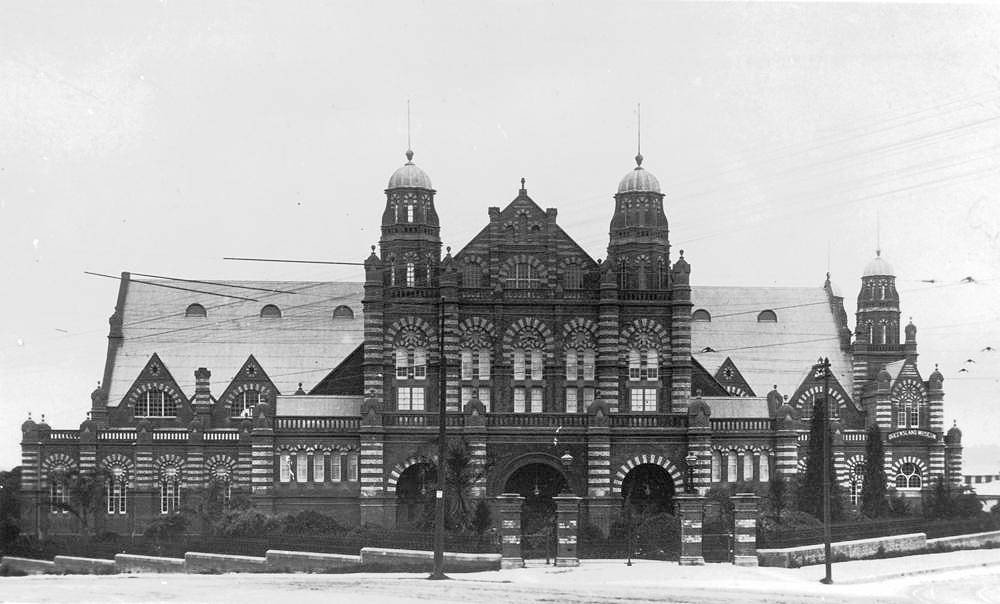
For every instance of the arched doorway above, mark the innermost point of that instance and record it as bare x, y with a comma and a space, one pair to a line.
538, 483
648, 489
415, 496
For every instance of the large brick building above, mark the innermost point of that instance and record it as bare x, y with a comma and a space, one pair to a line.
608, 378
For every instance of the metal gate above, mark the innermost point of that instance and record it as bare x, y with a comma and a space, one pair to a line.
717, 547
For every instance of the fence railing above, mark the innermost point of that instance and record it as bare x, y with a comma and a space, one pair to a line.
849, 531
742, 425
646, 420
325, 424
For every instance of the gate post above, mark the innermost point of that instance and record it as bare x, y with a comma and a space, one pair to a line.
745, 533
692, 511
510, 505
568, 525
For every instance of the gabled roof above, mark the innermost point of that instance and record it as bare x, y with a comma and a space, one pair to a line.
301, 346
768, 353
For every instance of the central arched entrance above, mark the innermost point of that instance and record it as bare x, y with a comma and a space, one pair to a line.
538, 483
415, 496
648, 489
651, 529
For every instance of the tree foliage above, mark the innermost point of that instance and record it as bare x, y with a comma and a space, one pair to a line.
873, 484
10, 509
809, 498
86, 496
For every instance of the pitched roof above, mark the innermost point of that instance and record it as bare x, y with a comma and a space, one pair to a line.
768, 353
301, 346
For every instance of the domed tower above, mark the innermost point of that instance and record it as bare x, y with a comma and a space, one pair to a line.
876, 334
639, 248
410, 243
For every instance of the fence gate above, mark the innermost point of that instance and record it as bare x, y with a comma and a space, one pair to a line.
717, 547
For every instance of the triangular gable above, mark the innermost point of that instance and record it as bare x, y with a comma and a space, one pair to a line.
154, 374
346, 378
812, 388
702, 382
732, 380
908, 371
251, 375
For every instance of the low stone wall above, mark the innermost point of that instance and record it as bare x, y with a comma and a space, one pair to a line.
279, 561
27, 566
842, 550
84, 566
199, 562
377, 558
973, 541
132, 563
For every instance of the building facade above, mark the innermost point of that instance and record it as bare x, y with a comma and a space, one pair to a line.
615, 379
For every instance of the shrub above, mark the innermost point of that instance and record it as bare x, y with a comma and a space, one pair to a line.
658, 536
166, 528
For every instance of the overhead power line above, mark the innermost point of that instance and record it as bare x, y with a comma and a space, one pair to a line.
186, 289
295, 261
217, 284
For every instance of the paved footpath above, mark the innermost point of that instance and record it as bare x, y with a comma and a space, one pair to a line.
968, 576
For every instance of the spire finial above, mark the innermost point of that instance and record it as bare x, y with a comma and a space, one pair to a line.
409, 146
878, 234
638, 135
523, 189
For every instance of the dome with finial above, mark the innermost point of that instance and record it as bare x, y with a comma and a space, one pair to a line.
29, 424
911, 330
936, 375
954, 435
409, 176
639, 180
44, 425
878, 267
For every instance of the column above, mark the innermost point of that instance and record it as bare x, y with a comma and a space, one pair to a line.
691, 509
476, 437
262, 466
786, 453
373, 496
567, 529
509, 505
745, 534
700, 443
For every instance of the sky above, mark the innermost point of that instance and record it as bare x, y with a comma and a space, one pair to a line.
161, 137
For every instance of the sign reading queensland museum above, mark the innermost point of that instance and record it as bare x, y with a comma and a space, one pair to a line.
911, 433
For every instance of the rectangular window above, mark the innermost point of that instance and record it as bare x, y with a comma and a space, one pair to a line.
536, 365
914, 417
518, 400
518, 364
588, 364
116, 497
319, 467
764, 469
58, 497
336, 463
466, 364
352, 467
466, 394
572, 405
652, 365
731, 466
402, 364
536, 400
301, 467
588, 398
409, 213
484, 364
411, 275
572, 370
747, 467
634, 368
170, 496
284, 468
484, 397
643, 400
419, 364
409, 399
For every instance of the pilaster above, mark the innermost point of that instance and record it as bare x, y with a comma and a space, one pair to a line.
509, 506
691, 509
745, 507
567, 528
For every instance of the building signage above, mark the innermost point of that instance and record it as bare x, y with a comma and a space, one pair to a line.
912, 433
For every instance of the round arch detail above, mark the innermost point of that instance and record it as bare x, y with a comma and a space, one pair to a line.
399, 468
638, 460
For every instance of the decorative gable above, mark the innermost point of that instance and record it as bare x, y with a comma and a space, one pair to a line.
172, 405
702, 382
732, 380
812, 388
250, 377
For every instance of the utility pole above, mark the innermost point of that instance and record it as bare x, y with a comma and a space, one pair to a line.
827, 466
438, 572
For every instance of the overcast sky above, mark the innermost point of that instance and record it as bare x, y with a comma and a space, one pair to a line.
158, 137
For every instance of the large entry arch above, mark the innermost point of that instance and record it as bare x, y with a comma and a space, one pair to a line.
648, 489
415, 490
538, 483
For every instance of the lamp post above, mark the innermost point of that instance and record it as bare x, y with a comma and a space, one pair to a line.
827, 464
628, 524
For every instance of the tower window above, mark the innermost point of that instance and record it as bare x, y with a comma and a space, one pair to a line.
195, 310
155, 403
411, 275
270, 312
524, 277
573, 278
409, 213
909, 476
244, 404
767, 316
470, 275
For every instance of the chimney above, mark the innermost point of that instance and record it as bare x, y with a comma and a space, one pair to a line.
202, 395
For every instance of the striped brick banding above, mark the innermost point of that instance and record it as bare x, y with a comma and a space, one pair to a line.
371, 462
262, 474
599, 467
144, 471
608, 368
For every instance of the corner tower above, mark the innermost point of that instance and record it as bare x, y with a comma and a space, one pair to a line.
876, 333
639, 246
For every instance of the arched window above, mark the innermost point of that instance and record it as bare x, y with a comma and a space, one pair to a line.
529, 369
270, 311
855, 480
471, 274
701, 315
764, 466
767, 316
284, 467
661, 269
748, 466
170, 490
716, 466
244, 403
731, 466
195, 310
643, 365
58, 494
343, 312
116, 493
155, 403
572, 277
909, 477
524, 277
411, 370
475, 364
411, 274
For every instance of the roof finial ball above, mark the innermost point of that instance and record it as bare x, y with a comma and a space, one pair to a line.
638, 160
409, 156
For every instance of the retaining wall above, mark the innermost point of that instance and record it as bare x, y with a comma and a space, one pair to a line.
377, 558
280, 561
198, 562
84, 566
849, 550
27, 566
131, 563
973, 541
